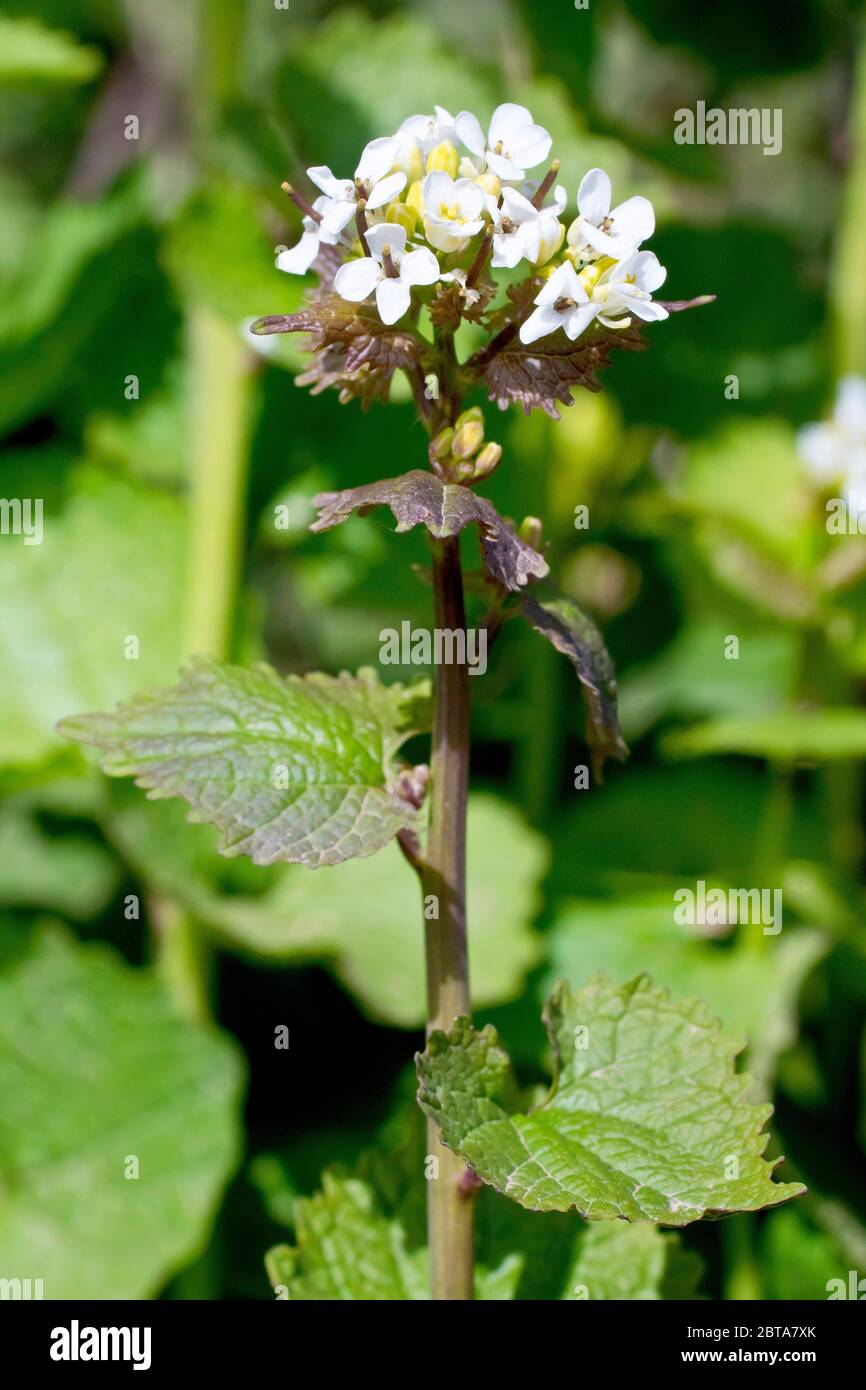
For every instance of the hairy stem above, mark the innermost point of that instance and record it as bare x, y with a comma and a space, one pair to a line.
449, 1205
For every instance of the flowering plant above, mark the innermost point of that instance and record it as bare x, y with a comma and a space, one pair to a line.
647, 1119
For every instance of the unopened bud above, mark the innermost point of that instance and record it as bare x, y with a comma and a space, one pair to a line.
415, 198
440, 445
468, 439
530, 531
474, 413
463, 471
404, 216
444, 157
490, 184
488, 459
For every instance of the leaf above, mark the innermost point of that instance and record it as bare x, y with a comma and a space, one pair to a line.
541, 374
571, 632
362, 920
362, 1237
95, 1068
788, 735
67, 873
110, 566
32, 53
445, 509
753, 993
642, 1122
297, 768
353, 350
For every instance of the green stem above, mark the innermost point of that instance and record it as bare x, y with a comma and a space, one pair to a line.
219, 421
848, 277
450, 1208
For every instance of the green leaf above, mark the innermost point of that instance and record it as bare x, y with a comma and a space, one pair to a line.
363, 1238
96, 1069
645, 1119
419, 498
816, 735
363, 920
66, 873
753, 993
32, 53
571, 632
297, 768
110, 567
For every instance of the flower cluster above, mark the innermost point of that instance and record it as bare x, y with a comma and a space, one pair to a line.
437, 200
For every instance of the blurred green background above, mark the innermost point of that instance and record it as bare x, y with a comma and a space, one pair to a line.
141, 976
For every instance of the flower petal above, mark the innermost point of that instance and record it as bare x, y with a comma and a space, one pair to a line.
377, 159
634, 220
543, 321
504, 168
506, 120
469, 129
393, 298
576, 320
357, 279
298, 259
530, 145
330, 185
386, 189
337, 215
850, 409
419, 267
386, 234
593, 196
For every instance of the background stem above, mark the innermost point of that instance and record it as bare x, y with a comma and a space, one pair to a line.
450, 1211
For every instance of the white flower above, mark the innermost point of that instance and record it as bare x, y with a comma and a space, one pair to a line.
562, 303
359, 278
452, 210
371, 176
626, 288
297, 259
517, 229
551, 229
836, 450
429, 131
514, 143
611, 233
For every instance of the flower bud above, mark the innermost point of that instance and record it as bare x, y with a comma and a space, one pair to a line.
490, 183
415, 198
487, 460
463, 472
530, 531
474, 412
468, 439
409, 160
444, 157
440, 445
404, 216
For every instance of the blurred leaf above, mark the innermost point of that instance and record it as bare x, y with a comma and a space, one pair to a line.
797, 1259
644, 1114
288, 768
363, 918
788, 735
692, 678
32, 53
219, 255
110, 567
64, 872
95, 1070
753, 993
